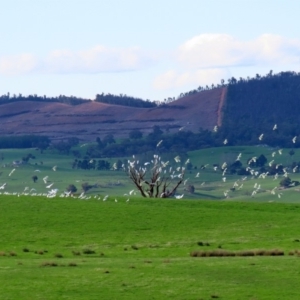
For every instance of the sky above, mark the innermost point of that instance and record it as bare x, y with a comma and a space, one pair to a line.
150, 49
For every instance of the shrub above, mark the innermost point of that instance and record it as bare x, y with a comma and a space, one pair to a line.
58, 255
49, 264
88, 251
72, 264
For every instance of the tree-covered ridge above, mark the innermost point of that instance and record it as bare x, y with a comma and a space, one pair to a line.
121, 99
72, 100
268, 105
124, 100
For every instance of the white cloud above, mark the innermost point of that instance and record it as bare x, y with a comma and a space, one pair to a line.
17, 64
176, 79
222, 50
98, 59
208, 58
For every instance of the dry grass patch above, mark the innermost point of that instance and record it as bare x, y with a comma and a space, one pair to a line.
225, 253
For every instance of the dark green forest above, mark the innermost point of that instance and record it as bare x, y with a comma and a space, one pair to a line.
268, 105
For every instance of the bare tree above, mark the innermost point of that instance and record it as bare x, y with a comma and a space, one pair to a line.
155, 179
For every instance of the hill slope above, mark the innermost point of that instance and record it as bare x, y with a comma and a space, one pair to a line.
91, 119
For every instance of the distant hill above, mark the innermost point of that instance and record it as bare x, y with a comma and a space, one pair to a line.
90, 119
244, 110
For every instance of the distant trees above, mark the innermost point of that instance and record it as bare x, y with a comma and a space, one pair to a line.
72, 188
23, 141
72, 100
135, 134
285, 182
86, 186
124, 100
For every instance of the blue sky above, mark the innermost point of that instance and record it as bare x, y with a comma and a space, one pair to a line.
149, 49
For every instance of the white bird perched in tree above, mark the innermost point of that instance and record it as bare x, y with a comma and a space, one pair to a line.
261, 137
83, 145
215, 168
273, 154
215, 128
131, 192
159, 143
184, 183
279, 195
54, 168
114, 166
49, 186
225, 142
11, 172
127, 200
2, 187
275, 176
37, 170
295, 169
294, 139
203, 183
271, 163
197, 175
105, 198
280, 151
181, 128
224, 165
275, 127
224, 179
187, 161
179, 196
164, 164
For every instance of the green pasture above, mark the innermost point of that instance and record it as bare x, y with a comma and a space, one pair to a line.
141, 249
208, 183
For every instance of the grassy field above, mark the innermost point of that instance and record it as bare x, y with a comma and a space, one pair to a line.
208, 184
141, 249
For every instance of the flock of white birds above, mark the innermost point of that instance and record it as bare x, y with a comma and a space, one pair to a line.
168, 173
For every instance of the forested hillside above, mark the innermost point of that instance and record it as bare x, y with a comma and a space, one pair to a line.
268, 105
